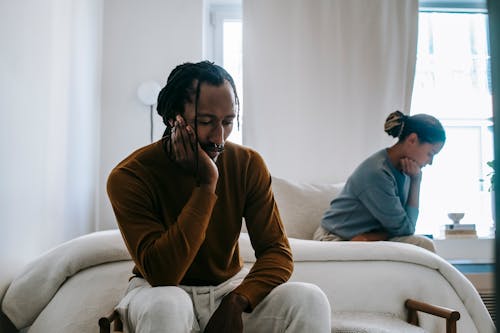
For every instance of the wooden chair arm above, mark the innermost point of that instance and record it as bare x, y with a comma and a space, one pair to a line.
450, 315
105, 323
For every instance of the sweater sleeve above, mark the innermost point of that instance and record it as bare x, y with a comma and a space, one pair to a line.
162, 255
274, 263
383, 202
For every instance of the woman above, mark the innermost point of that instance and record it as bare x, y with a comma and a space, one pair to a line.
380, 199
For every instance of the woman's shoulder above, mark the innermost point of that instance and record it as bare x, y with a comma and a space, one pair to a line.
374, 164
374, 169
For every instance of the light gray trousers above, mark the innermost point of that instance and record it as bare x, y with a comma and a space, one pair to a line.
321, 234
290, 307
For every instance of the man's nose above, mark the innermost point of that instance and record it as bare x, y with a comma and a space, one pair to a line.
217, 135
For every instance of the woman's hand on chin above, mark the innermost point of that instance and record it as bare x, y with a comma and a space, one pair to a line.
411, 168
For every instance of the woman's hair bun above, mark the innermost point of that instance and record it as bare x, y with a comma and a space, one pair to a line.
394, 123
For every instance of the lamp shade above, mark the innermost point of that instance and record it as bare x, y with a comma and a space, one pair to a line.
148, 92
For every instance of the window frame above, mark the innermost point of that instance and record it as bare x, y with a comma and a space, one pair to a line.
483, 125
453, 6
219, 13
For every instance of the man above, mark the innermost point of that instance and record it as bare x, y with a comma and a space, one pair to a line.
179, 203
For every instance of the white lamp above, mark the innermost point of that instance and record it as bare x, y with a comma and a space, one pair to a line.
148, 94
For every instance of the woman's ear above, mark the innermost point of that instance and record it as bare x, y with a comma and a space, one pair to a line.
412, 138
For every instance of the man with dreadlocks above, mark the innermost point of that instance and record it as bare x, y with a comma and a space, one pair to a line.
179, 204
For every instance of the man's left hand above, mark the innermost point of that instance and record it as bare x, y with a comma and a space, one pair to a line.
227, 317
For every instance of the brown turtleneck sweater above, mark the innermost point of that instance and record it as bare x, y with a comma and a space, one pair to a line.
178, 234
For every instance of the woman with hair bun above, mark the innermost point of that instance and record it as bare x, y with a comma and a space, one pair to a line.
380, 199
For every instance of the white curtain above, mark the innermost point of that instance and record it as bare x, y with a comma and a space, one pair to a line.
49, 125
319, 79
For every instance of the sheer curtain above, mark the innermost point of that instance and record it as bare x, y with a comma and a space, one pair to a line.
319, 79
49, 125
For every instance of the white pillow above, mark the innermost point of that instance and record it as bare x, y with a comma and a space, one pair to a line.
302, 205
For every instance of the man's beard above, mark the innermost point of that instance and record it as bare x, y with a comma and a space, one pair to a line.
212, 147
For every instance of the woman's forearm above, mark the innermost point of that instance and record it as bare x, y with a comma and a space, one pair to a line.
414, 194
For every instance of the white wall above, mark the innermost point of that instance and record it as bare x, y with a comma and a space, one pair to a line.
142, 40
49, 107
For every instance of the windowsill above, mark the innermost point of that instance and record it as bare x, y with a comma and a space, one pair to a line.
471, 250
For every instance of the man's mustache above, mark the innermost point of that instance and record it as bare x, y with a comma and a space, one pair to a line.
212, 147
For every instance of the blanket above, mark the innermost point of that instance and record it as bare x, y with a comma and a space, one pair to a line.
33, 289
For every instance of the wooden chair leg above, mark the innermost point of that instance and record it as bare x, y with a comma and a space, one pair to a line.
413, 317
118, 325
451, 316
105, 323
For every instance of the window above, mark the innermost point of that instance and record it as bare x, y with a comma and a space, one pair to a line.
452, 82
226, 27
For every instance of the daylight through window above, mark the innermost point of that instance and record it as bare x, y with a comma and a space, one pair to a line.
452, 82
